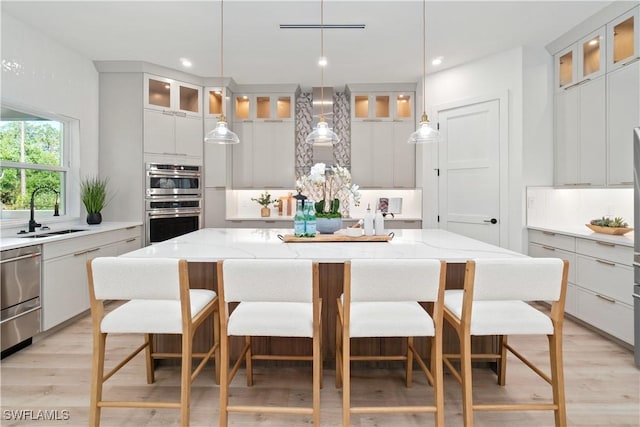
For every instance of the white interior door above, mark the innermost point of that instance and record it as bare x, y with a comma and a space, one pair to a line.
469, 162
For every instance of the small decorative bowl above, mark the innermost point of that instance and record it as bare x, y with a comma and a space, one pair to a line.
354, 232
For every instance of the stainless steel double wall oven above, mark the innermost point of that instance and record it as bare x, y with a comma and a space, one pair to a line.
173, 200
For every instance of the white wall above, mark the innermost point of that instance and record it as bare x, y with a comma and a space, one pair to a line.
41, 74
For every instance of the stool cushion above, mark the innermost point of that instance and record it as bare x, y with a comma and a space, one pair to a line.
390, 319
154, 316
500, 317
275, 319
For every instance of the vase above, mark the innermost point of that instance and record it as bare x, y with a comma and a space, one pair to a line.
264, 212
328, 225
94, 218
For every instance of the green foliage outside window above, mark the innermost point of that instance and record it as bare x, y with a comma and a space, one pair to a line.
42, 146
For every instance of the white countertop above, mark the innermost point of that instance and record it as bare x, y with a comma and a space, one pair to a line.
212, 244
10, 240
586, 233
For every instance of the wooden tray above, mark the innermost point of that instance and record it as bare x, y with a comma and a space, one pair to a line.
618, 231
290, 238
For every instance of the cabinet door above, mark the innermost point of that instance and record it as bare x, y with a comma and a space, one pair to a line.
404, 156
361, 154
566, 67
189, 99
273, 154
623, 39
243, 155
215, 159
214, 207
157, 92
566, 141
382, 147
283, 107
64, 291
591, 55
403, 106
159, 132
243, 107
189, 139
214, 102
623, 114
592, 131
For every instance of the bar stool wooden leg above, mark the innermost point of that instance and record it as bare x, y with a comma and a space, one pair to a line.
317, 376
224, 381
248, 361
466, 373
148, 339
99, 343
346, 381
409, 361
502, 362
438, 378
216, 342
338, 352
557, 378
185, 393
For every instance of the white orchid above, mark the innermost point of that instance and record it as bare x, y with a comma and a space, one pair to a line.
334, 185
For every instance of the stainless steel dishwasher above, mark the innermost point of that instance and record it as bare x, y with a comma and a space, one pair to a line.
19, 297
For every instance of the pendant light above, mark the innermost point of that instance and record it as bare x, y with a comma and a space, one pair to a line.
425, 133
322, 134
221, 134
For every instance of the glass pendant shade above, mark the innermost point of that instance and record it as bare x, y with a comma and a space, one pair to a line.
322, 135
425, 133
221, 134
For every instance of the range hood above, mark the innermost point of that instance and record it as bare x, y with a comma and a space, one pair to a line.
322, 105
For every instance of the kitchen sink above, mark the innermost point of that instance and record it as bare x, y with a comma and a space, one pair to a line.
52, 233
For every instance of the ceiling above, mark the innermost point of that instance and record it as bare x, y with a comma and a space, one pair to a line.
257, 51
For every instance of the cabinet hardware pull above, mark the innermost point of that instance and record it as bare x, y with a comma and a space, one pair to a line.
80, 253
612, 264
167, 112
247, 121
573, 85
93, 250
131, 228
549, 248
180, 114
631, 61
273, 121
548, 233
606, 298
130, 240
20, 257
626, 183
600, 242
372, 120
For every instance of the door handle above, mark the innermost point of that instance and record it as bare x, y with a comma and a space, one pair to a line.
492, 220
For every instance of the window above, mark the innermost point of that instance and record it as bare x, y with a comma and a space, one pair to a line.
32, 157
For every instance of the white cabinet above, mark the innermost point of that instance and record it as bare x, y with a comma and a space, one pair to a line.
382, 106
582, 61
264, 106
65, 289
265, 155
172, 96
172, 134
381, 156
600, 279
623, 39
215, 159
215, 207
623, 114
580, 134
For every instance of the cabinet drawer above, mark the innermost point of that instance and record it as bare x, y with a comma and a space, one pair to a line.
612, 317
560, 241
571, 300
79, 244
605, 278
605, 250
543, 251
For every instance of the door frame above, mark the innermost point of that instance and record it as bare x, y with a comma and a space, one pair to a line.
503, 113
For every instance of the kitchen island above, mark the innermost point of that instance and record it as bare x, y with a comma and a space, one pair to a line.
203, 248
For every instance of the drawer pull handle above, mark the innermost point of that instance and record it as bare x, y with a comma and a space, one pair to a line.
612, 264
130, 240
549, 248
548, 233
605, 243
606, 298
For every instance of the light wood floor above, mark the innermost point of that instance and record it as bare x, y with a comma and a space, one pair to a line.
602, 387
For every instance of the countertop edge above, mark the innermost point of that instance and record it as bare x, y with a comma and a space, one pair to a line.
588, 234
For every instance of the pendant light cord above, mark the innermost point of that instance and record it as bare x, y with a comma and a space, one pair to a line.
321, 57
221, 38
424, 56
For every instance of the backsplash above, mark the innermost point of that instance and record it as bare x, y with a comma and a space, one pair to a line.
341, 126
567, 208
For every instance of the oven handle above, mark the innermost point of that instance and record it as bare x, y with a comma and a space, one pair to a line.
179, 174
177, 213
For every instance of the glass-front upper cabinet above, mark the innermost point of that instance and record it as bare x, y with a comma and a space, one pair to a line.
216, 101
591, 55
392, 106
264, 107
566, 67
623, 39
169, 95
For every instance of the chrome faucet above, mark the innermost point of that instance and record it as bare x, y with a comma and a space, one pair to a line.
32, 222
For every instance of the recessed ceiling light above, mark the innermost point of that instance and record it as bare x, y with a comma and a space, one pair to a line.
437, 61
322, 61
185, 62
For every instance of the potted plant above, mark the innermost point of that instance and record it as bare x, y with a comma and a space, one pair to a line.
335, 186
264, 200
605, 225
93, 191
